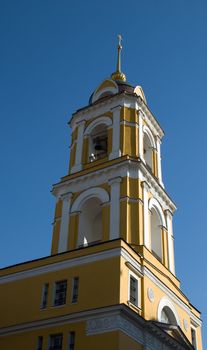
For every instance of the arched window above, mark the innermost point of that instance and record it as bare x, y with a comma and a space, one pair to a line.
167, 312
167, 316
156, 234
90, 222
98, 143
148, 154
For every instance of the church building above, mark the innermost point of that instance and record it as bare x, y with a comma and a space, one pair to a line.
110, 281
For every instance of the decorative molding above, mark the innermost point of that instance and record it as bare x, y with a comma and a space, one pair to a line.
114, 180
167, 302
100, 120
150, 294
122, 99
148, 132
114, 323
185, 324
132, 169
153, 203
57, 266
97, 192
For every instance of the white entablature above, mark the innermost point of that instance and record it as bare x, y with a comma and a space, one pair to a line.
124, 100
134, 170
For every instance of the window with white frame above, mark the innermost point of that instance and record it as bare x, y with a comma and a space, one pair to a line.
60, 293
45, 290
55, 341
133, 289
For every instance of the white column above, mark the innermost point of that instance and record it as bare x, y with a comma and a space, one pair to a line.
63, 238
170, 241
116, 133
159, 166
140, 120
115, 207
79, 148
146, 214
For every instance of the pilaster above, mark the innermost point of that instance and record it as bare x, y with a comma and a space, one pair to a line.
116, 133
79, 148
115, 207
63, 238
145, 187
140, 121
159, 167
170, 241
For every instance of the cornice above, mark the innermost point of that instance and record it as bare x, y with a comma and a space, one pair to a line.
108, 319
125, 166
112, 102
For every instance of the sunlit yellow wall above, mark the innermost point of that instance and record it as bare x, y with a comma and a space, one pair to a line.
28, 340
26, 306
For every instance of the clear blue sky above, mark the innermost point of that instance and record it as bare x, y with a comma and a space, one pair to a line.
53, 53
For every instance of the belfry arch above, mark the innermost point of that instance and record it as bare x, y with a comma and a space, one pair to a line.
97, 133
157, 222
148, 145
89, 206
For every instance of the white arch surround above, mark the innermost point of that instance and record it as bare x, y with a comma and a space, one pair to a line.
153, 203
97, 192
148, 132
98, 121
110, 89
166, 302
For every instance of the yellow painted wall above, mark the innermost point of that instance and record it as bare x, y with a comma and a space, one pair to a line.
95, 290
128, 343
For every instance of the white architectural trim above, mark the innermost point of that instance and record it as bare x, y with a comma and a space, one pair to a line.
98, 121
63, 238
170, 242
147, 131
115, 207
138, 292
79, 148
88, 259
116, 133
102, 107
113, 323
167, 302
141, 153
159, 166
110, 89
146, 214
57, 266
97, 192
153, 203
132, 169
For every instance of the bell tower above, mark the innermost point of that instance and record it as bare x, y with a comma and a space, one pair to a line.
114, 188
113, 193
110, 280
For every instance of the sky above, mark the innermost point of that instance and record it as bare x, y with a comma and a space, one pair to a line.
53, 54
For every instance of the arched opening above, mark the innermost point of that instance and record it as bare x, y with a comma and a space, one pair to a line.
156, 235
148, 154
90, 222
167, 316
98, 143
